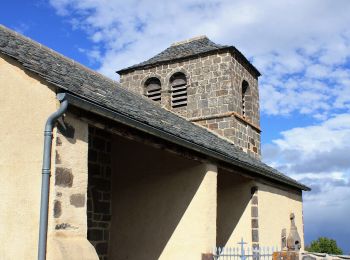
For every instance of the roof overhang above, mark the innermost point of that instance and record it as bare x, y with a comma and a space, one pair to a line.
98, 109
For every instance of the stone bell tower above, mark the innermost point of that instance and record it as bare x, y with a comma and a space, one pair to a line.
209, 84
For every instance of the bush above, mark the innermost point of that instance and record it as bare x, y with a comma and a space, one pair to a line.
324, 245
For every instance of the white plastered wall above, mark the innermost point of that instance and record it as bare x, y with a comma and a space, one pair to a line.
195, 233
25, 104
275, 207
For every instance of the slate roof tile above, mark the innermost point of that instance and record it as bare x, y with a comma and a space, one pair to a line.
92, 86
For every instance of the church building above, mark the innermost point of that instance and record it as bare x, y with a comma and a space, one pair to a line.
165, 164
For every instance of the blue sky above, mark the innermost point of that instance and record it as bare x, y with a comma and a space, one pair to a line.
301, 47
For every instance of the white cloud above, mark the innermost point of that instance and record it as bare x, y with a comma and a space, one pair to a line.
293, 43
313, 148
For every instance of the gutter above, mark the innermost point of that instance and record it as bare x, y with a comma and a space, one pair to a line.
46, 172
124, 119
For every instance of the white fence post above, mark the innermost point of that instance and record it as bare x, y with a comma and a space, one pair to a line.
250, 253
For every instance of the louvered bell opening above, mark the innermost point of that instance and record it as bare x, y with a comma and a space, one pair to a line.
153, 92
178, 90
153, 89
179, 95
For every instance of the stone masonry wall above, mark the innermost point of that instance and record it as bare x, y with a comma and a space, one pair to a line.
99, 190
67, 236
214, 95
70, 178
241, 133
255, 217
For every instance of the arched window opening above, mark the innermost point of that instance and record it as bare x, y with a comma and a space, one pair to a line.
245, 87
153, 89
178, 85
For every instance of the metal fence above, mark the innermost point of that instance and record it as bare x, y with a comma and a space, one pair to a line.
242, 253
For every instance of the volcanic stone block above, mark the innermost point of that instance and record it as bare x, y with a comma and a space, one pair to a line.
77, 200
57, 209
63, 177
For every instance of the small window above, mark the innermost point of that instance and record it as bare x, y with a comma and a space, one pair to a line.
245, 87
153, 89
178, 85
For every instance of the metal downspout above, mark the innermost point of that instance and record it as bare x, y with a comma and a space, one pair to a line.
46, 172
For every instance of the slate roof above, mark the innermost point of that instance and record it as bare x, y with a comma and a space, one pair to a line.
188, 49
105, 94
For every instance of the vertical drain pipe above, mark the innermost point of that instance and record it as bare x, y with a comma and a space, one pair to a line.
46, 172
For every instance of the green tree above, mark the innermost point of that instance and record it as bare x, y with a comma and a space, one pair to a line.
324, 245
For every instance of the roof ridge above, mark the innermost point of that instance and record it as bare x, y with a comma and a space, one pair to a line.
196, 38
199, 45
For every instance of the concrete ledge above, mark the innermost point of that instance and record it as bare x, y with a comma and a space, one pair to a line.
320, 256
295, 255
63, 248
227, 114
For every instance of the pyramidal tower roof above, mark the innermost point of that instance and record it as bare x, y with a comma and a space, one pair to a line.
186, 49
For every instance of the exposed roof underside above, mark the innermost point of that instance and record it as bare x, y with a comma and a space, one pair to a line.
185, 50
96, 89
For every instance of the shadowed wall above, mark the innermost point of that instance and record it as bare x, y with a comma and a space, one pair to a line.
164, 206
233, 212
